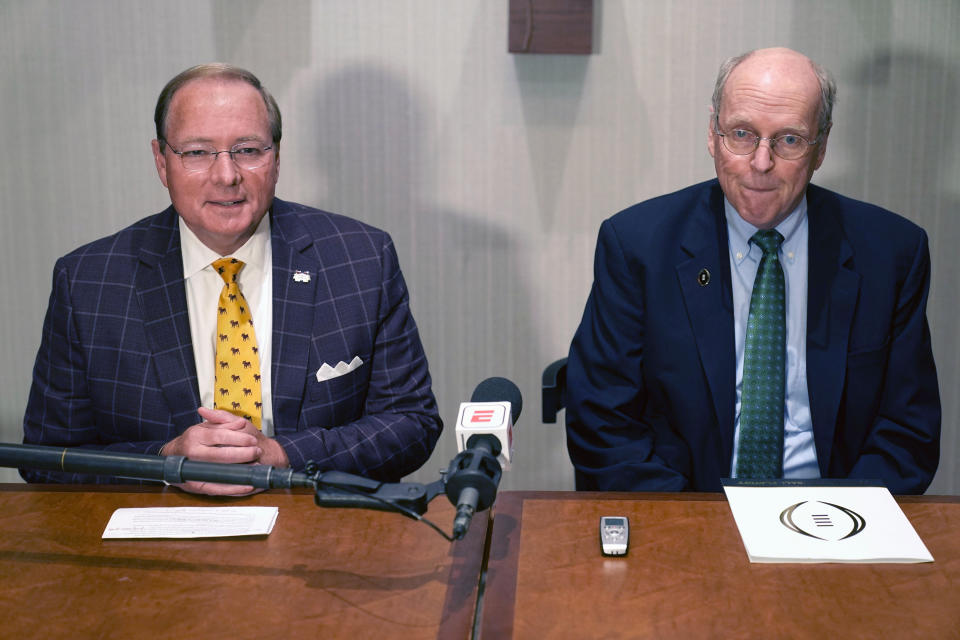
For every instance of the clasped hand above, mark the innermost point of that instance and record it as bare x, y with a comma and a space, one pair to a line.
225, 437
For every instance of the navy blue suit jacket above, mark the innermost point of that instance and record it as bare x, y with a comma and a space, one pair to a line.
652, 371
115, 369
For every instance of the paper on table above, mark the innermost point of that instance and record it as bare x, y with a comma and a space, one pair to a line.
190, 522
824, 524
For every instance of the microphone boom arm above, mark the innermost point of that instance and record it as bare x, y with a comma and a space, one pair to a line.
331, 488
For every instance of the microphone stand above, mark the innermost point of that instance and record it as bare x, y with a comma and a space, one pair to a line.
331, 488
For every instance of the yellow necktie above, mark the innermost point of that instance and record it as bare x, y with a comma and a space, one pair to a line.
238, 361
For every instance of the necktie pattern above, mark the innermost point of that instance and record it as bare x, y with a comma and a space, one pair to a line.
760, 449
237, 377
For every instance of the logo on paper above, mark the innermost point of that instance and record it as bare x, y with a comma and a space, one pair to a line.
822, 520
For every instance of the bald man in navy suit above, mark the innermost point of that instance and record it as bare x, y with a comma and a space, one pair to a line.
655, 371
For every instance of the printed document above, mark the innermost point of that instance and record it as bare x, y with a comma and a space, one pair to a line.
190, 522
822, 523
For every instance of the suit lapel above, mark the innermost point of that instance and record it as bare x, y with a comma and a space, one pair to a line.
163, 304
709, 306
297, 291
832, 292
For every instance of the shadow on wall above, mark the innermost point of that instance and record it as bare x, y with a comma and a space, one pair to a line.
902, 140
245, 32
465, 272
551, 93
902, 154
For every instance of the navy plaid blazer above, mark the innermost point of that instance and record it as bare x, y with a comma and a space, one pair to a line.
115, 369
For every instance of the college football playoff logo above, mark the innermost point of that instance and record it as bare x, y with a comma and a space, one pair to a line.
822, 520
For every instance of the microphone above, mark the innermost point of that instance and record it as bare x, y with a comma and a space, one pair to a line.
491, 413
485, 441
331, 488
169, 469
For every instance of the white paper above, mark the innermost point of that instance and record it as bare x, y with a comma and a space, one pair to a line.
190, 522
824, 524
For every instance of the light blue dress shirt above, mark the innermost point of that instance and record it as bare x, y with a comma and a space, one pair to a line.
799, 450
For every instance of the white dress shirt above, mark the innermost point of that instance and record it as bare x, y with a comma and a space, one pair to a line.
203, 285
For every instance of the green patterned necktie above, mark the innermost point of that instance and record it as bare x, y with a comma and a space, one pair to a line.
760, 449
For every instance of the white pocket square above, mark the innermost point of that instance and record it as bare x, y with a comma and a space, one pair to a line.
326, 372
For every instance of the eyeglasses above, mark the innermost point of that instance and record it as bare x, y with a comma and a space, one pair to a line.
246, 155
743, 142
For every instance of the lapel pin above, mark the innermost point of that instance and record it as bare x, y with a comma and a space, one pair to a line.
301, 276
703, 277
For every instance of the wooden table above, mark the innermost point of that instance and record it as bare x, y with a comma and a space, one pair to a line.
687, 575
342, 573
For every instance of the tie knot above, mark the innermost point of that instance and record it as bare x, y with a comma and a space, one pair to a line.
228, 268
769, 240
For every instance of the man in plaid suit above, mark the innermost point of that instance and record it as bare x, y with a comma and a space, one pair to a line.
126, 361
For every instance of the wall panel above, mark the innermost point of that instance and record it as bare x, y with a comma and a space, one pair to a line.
492, 171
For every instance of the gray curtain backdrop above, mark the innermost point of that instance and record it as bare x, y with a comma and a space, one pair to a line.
492, 171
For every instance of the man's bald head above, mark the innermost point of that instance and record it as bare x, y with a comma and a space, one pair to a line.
827, 85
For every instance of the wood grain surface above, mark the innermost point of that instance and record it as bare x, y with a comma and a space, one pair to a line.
687, 575
320, 573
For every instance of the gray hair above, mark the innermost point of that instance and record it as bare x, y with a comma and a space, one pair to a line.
225, 72
828, 89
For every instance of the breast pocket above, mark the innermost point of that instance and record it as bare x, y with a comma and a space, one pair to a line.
339, 399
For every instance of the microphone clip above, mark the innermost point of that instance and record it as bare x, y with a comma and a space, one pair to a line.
476, 467
346, 490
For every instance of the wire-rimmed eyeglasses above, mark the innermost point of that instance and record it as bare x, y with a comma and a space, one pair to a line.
246, 155
743, 142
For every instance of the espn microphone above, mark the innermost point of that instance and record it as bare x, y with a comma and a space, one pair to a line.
492, 411
484, 432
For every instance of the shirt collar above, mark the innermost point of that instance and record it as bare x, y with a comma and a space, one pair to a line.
740, 231
198, 256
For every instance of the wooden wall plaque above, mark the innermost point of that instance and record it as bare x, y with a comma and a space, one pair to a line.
551, 26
